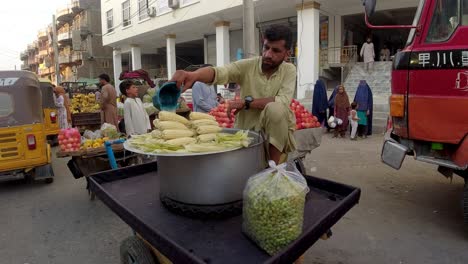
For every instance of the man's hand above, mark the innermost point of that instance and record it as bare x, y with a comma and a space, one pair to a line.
234, 105
184, 78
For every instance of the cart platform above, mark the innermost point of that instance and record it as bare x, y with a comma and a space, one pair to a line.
133, 194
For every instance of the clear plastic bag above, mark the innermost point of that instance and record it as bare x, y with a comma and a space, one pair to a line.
273, 211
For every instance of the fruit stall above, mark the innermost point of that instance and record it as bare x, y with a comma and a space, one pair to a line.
85, 111
87, 153
209, 188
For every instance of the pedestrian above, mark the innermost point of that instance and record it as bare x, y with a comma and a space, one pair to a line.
136, 118
368, 54
353, 119
341, 111
267, 85
63, 107
204, 96
385, 54
320, 102
108, 101
364, 99
331, 106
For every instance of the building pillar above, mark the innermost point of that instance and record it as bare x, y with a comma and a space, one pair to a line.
308, 25
117, 61
222, 43
205, 49
171, 55
338, 35
257, 41
136, 57
331, 40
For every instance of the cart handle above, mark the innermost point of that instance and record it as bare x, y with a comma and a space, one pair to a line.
110, 153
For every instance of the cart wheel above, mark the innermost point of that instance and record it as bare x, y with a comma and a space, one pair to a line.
465, 202
134, 251
300, 166
49, 180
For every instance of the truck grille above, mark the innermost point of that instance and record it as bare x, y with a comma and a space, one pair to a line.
8, 146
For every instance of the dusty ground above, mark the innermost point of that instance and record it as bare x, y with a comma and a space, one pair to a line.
407, 216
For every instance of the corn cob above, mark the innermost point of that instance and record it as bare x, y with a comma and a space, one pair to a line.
208, 129
175, 133
201, 116
207, 137
168, 116
181, 141
203, 122
164, 125
205, 147
156, 134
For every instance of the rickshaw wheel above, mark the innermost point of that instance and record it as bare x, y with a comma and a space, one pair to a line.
49, 180
134, 251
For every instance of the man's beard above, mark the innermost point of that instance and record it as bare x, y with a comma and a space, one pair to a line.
270, 65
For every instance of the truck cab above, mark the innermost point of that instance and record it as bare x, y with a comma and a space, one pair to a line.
429, 90
429, 101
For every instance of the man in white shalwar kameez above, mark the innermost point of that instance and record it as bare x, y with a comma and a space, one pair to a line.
135, 116
368, 54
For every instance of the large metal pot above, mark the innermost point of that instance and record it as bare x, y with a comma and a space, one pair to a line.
210, 179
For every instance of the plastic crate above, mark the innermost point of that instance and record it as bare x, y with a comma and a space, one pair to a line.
86, 119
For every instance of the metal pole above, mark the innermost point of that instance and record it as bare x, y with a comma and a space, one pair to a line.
248, 29
56, 55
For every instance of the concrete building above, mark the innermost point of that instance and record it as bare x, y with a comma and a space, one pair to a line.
161, 36
81, 55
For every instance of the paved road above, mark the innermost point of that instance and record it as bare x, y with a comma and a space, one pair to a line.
407, 216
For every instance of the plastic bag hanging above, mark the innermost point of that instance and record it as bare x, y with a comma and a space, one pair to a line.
273, 211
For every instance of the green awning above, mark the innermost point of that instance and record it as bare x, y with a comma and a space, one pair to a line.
88, 81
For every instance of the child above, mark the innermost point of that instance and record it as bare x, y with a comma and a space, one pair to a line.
135, 116
354, 120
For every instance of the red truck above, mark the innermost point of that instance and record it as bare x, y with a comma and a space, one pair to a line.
429, 100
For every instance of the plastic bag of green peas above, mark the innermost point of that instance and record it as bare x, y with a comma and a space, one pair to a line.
273, 211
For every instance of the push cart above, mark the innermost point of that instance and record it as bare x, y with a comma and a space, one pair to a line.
163, 236
132, 193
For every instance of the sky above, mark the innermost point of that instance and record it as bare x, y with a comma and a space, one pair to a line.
20, 21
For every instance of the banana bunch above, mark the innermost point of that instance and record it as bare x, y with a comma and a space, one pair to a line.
84, 103
93, 143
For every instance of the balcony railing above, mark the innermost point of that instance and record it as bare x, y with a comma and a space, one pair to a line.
77, 6
337, 55
64, 34
42, 34
65, 14
43, 52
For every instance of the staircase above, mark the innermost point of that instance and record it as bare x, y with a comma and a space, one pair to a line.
379, 81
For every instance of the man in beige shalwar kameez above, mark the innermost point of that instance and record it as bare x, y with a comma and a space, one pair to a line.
108, 101
267, 87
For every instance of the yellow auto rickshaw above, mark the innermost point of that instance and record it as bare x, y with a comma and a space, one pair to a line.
24, 152
51, 124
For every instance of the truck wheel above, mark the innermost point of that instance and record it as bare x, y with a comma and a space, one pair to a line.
134, 251
465, 202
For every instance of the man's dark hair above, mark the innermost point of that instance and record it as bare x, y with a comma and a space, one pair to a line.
353, 105
279, 32
105, 77
124, 86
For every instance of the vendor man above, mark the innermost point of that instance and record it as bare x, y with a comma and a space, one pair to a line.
267, 87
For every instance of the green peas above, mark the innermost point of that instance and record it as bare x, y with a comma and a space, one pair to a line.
273, 210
